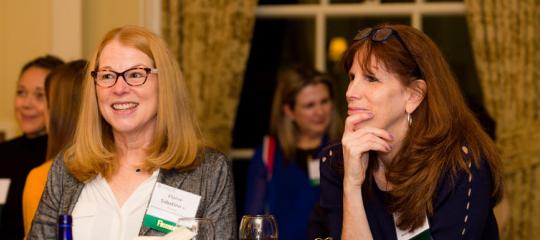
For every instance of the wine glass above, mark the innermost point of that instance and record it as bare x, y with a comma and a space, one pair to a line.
258, 227
202, 227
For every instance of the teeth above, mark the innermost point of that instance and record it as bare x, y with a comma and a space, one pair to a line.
123, 106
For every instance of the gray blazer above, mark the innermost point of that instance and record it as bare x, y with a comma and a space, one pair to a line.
212, 180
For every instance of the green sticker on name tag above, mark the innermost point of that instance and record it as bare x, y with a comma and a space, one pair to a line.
159, 224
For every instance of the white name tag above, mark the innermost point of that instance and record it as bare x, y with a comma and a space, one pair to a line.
4, 189
406, 235
167, 205
313, 171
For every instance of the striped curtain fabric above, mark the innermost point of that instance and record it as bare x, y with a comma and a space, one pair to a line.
211, 39
505, 36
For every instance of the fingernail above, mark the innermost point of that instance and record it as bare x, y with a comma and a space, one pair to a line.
391, 136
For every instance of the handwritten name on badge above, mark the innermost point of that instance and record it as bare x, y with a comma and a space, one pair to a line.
167, 205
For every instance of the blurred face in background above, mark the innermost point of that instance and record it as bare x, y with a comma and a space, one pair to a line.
30, 102
312, 110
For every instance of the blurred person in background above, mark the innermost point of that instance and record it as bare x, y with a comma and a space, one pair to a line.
27, 151
63, 88
283, 176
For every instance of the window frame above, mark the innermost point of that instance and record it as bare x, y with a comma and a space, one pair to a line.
320, 12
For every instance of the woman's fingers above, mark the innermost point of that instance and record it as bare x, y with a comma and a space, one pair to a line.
368, 142
367, 131
352, 125
353, 120
357, 141
369, 134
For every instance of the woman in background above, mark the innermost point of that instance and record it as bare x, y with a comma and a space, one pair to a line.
63, 88
137, 163
283, 176
25, 152
413, 162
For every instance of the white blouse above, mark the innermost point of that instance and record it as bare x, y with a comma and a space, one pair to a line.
98, 216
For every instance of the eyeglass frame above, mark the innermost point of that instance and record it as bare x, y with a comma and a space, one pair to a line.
148, 71
371, 33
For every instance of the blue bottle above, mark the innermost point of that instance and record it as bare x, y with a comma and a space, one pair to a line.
64, 227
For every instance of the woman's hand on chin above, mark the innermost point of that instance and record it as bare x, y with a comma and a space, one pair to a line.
357, 141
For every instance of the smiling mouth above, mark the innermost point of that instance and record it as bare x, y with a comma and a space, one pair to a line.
124, 106
29, 116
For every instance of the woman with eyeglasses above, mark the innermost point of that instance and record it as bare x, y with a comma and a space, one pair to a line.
137, 163
413, 160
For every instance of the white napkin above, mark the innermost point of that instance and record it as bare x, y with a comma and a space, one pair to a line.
178, 234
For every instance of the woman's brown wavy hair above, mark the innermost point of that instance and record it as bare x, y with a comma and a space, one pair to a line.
442, 123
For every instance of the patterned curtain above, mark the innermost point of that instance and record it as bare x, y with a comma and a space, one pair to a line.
211, 39
506, 38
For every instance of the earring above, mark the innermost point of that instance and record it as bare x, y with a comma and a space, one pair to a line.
409, 119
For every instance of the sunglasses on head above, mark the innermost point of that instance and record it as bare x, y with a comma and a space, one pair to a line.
380, 35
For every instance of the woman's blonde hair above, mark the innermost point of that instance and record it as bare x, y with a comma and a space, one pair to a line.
290, 83
176, 140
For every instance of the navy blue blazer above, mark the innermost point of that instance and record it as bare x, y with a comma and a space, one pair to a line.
457, 214
288, 195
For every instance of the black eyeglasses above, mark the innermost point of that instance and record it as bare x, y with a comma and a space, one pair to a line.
133, 77
383, 34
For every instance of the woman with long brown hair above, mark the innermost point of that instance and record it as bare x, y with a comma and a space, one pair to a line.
413, 160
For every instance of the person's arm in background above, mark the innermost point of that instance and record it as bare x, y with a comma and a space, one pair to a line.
30, 199
33, 189
256, 184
